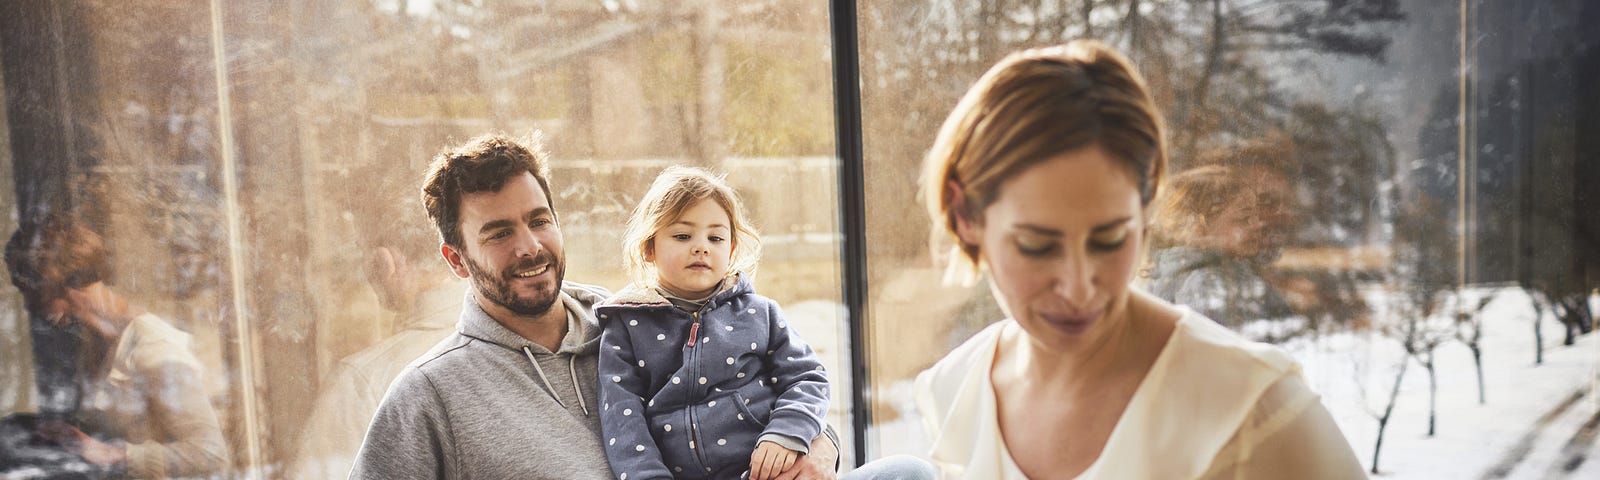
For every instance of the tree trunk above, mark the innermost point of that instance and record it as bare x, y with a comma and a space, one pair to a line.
1433, 394
1088, 20
1383, 421
710, 59
1538, 330
1477, 361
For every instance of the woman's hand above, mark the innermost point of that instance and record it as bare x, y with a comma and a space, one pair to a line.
95, 451
769, 460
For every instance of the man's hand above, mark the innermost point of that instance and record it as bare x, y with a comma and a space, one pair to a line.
769, 460
817, 465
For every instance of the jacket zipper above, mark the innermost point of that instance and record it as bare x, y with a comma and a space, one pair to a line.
694, 329
695, 444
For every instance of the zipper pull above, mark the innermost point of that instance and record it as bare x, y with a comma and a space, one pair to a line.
694, 330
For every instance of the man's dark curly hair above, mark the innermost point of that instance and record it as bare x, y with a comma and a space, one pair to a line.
483, 164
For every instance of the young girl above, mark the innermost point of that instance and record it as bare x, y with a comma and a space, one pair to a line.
700, 377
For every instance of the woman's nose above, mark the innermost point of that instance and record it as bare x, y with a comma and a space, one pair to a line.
1075, 282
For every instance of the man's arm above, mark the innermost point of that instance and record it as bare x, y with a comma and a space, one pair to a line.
409, 436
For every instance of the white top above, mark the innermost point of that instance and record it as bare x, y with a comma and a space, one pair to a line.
154, 393
1213, 405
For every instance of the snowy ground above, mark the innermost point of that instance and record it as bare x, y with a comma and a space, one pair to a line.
1528, 428
1539, 421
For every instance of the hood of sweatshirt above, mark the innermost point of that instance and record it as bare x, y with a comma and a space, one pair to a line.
583, 333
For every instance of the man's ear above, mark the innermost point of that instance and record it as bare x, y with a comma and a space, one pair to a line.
457, 262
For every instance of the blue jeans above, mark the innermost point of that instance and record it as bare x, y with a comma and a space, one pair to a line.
894, 467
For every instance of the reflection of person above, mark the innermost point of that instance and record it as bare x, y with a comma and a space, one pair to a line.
686, 245
1220, 227
425, 298
1043, 175
513, 392
141, 385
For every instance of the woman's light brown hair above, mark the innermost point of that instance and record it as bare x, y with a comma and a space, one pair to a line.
1032, 106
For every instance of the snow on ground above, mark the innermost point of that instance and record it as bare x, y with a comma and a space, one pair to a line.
1529, 428
1471, 440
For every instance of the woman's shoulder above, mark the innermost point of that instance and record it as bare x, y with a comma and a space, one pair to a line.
1203, 339
1209, 377
150, 342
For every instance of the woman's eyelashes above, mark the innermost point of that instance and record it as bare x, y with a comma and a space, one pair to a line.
1036, 246
1109, 240
1099, 242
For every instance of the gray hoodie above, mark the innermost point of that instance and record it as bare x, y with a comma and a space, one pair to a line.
487, 403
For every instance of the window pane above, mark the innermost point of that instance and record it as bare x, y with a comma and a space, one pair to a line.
1347, 173
266, 211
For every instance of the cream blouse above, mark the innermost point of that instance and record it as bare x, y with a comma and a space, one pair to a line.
1213, 406
155, 395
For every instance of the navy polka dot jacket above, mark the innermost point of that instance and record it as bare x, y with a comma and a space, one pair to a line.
688, 395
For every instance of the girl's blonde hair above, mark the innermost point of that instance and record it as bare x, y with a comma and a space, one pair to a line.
674, 191
1032, 106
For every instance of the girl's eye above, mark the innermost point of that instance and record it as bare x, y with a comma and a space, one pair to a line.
680, 236
1109, 240
716, 239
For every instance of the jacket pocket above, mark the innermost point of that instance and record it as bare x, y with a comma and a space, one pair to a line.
746, 414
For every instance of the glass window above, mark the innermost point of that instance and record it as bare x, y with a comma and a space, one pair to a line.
1365, 184
252, 169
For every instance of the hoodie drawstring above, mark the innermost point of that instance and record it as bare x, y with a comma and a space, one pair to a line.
547, 388
572, 369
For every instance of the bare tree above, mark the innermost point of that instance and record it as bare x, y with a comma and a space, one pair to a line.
1383, 416
1469, 330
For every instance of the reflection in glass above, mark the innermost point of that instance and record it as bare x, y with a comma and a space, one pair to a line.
250, 162
131, 397
1394, 191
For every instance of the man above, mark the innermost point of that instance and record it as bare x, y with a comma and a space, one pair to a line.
424, 296
512, 394
139, 387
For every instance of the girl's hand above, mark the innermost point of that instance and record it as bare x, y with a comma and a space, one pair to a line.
769, 460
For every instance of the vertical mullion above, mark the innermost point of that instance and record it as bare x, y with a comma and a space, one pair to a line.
852, 204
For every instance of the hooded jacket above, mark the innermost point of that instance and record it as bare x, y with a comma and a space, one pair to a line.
688, 395
488, 403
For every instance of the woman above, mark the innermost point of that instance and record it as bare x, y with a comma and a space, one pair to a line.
1043, 175
139, 388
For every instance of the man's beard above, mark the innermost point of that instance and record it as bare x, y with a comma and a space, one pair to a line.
497, 288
